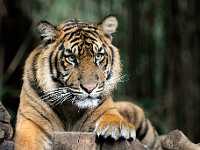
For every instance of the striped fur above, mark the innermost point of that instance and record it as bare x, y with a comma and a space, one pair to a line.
68, 80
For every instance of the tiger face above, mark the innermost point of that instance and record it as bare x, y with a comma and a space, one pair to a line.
83, 66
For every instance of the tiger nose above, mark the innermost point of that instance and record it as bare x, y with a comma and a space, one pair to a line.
88, 87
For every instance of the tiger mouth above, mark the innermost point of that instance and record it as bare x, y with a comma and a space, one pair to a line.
88, 102
89, 97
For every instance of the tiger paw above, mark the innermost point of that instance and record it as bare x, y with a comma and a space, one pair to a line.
114, 126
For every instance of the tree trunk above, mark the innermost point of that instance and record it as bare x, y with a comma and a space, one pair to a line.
183, 99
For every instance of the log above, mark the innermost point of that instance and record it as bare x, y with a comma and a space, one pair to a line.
88, 141
73, 140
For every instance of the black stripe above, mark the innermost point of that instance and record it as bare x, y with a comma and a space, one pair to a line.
66, 34
77, 43
34, 82
72, 33
89, 35
94, 33
60, 84
69, 33
78, 24
112, 63
96, 46
56, 63
75, 39
91, 27
53, 66
59, 74
93, 39
61, 47
50, 64
67, 28
62, 53
74, 44
109, 75
142, 130
105, 66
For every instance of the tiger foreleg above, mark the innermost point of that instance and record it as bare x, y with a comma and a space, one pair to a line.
110, 123
29, 136
135, 115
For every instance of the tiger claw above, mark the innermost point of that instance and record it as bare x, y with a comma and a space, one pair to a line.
115, 130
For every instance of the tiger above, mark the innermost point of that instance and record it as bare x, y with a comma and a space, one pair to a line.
67, 86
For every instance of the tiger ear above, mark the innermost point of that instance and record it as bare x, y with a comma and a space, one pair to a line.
48, 32
109, 25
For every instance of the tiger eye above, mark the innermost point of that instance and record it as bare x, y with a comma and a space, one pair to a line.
71, 59
99, 56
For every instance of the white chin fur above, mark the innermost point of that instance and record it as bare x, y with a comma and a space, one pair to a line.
87, 103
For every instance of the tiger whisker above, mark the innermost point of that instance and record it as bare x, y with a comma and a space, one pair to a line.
56, 101
59, 91
54, 96
50, 97
65, 99
73, 99
54, 91
62, 96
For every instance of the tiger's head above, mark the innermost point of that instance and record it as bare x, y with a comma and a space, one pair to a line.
78, 62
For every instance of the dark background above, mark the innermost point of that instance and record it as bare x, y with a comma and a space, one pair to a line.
159, 42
